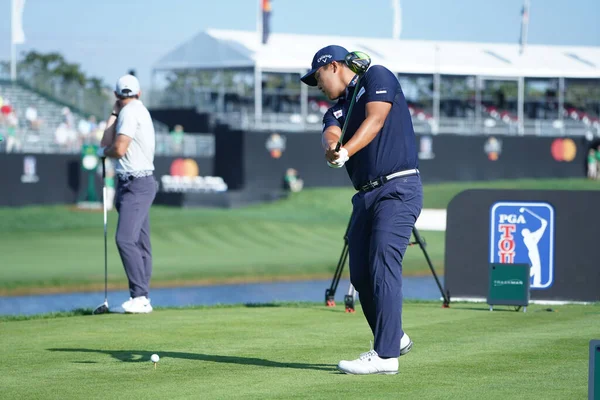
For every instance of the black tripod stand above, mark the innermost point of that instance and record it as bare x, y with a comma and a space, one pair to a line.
349, 297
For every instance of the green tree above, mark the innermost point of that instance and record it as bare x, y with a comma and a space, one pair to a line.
52, 74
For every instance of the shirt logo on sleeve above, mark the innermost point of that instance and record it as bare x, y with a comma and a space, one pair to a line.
360, 93
337, 114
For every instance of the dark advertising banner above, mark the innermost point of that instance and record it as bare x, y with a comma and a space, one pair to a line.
39, 179
263, 163
261, 160
552, 231
29, 179
477, 158
251, 160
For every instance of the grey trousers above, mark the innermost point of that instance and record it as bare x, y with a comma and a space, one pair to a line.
134, 198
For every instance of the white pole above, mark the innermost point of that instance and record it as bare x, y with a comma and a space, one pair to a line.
16, 34
13, 46
257, 95
258, 71
13, 62
524, 25
437, 83
521, 105
561, 102
259, 22
303, 102
397, 19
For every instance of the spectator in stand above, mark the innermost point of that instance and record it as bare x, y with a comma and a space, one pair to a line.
598, 162
68, 118
93, 123
99, 132
6, 109
12, 141
592, 171
31, 115
66, 137
84, 128
292, 181
61, 135
177, 135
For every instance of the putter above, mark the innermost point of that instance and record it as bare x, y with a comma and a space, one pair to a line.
103, 308
359, 63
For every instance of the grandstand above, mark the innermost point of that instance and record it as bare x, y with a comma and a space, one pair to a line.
44, 134
452, 87
59, 128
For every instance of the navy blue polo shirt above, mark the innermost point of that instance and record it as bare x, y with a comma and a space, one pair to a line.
394, 148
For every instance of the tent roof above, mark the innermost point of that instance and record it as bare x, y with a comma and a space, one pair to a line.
216, 49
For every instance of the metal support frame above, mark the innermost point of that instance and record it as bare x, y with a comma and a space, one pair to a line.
303, 102
349, 298
258, 96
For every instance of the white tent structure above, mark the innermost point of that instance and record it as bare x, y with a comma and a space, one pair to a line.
291, 53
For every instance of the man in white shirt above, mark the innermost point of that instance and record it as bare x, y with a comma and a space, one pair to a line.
129, 138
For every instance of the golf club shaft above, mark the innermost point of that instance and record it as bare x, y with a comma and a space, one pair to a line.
105, 233
532, 213
339, 144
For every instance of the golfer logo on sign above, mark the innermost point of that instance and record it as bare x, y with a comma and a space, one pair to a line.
524, 233
531, 241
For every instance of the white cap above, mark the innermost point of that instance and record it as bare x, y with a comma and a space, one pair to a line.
127, 86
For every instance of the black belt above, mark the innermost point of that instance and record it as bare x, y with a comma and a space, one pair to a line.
382, 180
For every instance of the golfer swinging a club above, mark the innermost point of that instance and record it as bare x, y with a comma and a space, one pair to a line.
531, 240
129, 138
372, 126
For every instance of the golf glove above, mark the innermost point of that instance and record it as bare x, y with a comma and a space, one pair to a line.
341, 160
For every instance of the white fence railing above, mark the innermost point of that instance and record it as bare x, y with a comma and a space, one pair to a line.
191, 145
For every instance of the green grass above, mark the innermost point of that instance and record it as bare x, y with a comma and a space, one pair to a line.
288, 351
56, 248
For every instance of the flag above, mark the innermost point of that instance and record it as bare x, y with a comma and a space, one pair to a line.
266, 23
17, 34
397, 19
524, 26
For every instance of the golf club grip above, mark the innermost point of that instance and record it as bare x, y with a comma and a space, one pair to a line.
338, 146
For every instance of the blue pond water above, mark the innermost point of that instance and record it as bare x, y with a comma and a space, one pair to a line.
417, 288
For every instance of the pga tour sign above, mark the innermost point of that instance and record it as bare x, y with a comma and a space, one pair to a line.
523, 233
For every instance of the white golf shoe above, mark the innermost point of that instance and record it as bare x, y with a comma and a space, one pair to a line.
405, 344
127, 303
138, 305
369, 363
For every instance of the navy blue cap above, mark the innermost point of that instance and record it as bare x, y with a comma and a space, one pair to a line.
324, 57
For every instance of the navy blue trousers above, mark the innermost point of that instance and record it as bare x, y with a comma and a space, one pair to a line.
133, 202
380, 231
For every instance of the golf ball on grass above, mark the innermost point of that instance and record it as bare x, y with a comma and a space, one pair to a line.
154, 358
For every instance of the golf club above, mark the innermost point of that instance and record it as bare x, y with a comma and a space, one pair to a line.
103, 308
359, 63
523, 209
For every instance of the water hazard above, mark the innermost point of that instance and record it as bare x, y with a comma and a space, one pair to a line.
415, 288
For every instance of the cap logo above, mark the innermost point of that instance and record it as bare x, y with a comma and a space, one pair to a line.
324, 58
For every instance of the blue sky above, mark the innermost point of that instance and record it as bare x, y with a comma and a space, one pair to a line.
108, 37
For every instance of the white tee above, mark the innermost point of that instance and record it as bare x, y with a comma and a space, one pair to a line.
134, 121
